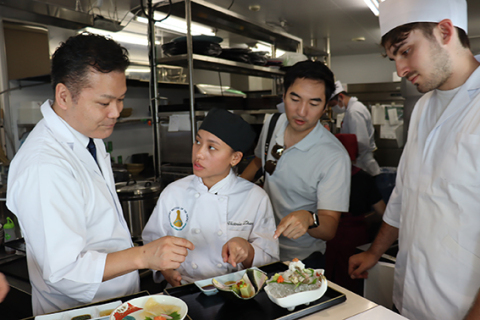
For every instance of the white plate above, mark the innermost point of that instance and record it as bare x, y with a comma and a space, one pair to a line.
296, 299
202, 283
140, 302
93, 311
235, 276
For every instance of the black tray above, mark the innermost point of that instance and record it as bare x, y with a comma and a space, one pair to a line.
203, 307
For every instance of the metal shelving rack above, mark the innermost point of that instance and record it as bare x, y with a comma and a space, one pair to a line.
220, 18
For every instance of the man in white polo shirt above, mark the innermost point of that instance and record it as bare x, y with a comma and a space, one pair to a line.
307, 170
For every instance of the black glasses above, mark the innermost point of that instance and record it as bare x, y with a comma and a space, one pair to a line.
277, 152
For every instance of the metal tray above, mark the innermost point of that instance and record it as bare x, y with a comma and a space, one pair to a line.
202, 307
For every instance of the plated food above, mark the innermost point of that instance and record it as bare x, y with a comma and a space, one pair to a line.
247, 287
206, 287
298, 285
97, 312
155, 307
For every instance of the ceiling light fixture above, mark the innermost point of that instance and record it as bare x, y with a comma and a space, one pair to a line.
179, 25
121, 36
373, 5
358, 39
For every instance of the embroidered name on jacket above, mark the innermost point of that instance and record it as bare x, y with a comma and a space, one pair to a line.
178, 218
244, 223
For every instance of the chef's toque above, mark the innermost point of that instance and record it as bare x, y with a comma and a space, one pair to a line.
338, 89
395, 13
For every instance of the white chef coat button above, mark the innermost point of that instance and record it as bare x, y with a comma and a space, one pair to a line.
219, 232
221, 199
197, 195
197, 231
194, 266
219, 265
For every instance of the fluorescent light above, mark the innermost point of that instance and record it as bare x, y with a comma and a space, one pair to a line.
137, 69
179, 25
373, 5
260, 46
122, 37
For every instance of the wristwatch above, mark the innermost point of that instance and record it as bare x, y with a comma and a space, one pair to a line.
315, 220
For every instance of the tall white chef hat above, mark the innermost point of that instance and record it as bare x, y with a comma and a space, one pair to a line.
394, 13
338, 89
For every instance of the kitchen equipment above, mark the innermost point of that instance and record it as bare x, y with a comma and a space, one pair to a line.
138, 198
135, 168
120, 173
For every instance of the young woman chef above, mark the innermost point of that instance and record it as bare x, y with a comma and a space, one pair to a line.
229, 219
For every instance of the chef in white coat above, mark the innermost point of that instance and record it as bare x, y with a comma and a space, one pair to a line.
357, 121
79, 249
229, 219
434, 208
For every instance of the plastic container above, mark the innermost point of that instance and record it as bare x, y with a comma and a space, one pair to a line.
9, 231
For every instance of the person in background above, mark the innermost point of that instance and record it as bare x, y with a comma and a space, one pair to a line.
229, 219
4, 287
433, 210
61, 187
307, 170
365, 199
357, 121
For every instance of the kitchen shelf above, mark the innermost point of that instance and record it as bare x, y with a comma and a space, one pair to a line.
133, 120
203, 112
222, 65
224, 19
233, 24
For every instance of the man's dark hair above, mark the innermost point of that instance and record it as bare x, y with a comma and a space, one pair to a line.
312, 70
72, 61
401, 33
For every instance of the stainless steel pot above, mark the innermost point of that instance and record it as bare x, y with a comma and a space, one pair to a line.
138, 198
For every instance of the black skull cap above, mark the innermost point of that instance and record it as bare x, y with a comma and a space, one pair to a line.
229, 127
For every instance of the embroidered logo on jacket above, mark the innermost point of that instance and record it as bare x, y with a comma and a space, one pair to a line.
178, 218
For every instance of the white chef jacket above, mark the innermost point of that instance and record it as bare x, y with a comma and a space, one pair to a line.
358, 121
70, 217
435, 205
238, 208
310, 175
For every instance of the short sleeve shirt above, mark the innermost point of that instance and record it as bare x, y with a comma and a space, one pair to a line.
313, 174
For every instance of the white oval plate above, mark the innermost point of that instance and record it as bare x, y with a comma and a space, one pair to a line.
296, 299
140, 302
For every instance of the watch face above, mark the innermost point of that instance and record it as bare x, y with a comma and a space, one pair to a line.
315, 220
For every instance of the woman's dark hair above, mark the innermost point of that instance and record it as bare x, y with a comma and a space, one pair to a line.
313, 70
401, 33
72, 61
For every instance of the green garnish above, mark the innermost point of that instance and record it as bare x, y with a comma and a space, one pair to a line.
175, 316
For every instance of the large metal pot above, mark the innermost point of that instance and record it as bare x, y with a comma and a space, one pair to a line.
138, 198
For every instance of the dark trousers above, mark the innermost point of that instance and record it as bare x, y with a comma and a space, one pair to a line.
315, 261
